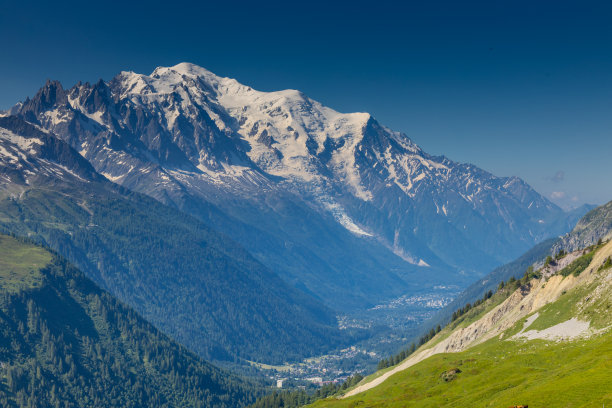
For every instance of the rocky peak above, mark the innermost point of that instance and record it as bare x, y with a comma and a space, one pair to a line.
51, 95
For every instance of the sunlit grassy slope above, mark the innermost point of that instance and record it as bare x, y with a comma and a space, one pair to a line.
501, 372
20, 264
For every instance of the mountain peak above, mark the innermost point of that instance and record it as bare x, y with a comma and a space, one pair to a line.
188, 68
50, 95
179, 72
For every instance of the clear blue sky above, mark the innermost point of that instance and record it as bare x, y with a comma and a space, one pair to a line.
517, 87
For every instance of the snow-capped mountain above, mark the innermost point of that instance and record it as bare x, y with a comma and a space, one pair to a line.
328, 200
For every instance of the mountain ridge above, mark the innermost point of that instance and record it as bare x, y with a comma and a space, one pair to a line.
595, 225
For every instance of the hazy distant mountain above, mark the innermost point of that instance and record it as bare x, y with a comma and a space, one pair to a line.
338, 204
197, 285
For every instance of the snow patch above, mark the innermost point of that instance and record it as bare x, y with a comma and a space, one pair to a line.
112, 178
24, 143
344, 220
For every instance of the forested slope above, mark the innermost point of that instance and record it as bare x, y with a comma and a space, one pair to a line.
64, 342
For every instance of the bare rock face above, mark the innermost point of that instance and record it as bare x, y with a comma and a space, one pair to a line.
594, 226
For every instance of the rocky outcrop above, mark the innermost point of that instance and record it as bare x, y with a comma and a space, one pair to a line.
595, 225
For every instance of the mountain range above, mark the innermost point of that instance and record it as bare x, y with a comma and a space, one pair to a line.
339, 206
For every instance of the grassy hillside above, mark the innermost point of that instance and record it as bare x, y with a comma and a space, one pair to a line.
506, 353
20, 265
500, 374
66, 343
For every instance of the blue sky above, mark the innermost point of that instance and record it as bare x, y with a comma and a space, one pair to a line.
517, 87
